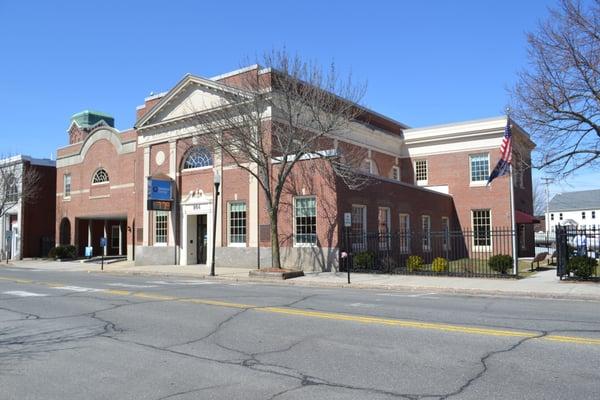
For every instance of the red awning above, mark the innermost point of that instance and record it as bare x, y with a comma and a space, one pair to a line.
524, 218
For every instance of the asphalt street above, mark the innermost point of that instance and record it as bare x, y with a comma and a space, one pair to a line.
72, 335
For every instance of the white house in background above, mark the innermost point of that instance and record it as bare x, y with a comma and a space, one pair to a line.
581, 208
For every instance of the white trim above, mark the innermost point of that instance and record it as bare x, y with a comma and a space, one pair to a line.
481, 248
426, 249
316, 221
407, 235
235, 72
421, 182
479, 182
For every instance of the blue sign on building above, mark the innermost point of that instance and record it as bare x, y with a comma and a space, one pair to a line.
159, 189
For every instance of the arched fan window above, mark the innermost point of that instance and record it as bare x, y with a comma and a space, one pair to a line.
100, 176
197, 157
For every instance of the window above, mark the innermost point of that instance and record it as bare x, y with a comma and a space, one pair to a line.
305, 220
593, 214
583, 215
482, 224
522, 241
560, 216
404, 233
551, 217
237, 223
100, 177
359, 226
115, 236
160, 227
369, 166
446, 233
421, 172
480, 167
383, 224
11, 189
67, 185
197, 157
396, 173
426, 232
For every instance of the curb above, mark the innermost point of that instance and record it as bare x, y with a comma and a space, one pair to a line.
362, 286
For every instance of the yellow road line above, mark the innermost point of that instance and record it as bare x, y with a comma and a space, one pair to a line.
341, 316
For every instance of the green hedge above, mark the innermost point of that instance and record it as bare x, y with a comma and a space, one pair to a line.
582, 266
501, 263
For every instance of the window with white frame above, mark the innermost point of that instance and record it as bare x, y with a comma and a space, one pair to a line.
404, 233
383, 223
583, 215
482, 225
560, 216
197, 157
11, 189
480, 167
305, 220
426, 232
593, 214
237, 223
421, 172
359, 226
67, 185
115, 236
161, 222
100, 177
551, 217
395, 173
446, 233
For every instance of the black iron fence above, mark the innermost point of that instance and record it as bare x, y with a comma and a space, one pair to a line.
577, 252
483, 253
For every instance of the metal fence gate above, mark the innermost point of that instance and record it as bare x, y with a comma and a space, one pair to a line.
580, 242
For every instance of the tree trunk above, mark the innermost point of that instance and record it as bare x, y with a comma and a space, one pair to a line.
275, 255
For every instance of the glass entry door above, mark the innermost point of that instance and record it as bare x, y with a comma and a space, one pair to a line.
202, 239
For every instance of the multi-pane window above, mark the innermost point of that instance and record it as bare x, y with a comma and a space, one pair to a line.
11, 189
593, 214
305, 220
426, 232
101, 176
551, 217
404, 233
421, 171
583, 215
383, 223
396, 173
160, 227
197, 157
67, 185
482, 225
446, 233
237, 223
560, 216
480, 167
359, 225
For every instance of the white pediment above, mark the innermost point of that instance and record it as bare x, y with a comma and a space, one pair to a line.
191, 95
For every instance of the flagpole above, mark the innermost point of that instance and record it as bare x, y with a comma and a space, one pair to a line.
512, 221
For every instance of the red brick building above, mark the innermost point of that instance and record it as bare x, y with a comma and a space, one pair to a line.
428, 177
27, 223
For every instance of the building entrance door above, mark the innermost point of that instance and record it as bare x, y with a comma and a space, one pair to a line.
202, 239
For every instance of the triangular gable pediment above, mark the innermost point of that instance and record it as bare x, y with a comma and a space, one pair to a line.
191, 95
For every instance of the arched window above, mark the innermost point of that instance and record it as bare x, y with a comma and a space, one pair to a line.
100, 176
197, 157
65, 232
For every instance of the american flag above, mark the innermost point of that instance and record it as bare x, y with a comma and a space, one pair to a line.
503, 166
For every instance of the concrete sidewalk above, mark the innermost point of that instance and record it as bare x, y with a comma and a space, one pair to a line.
543, 284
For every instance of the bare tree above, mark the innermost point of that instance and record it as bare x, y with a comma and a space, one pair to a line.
539, 198
558, 97
288, 112
17, 183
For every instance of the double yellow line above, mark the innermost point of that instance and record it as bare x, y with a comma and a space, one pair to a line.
342, 317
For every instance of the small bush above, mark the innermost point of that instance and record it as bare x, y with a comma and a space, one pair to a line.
58, 252
414, 263
439, 265
582, 266
500, 263
388, 264
364, 259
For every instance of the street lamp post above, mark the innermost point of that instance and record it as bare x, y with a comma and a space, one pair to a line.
217, 181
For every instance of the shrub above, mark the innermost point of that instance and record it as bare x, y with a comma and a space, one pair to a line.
500, 263
364, 259
388, 264
414, 263
67, 251
582, 266
439, 265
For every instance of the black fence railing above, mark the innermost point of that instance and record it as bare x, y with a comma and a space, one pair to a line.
578, 252
482, 253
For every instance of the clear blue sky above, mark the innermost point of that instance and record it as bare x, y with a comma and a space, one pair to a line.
425, 62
